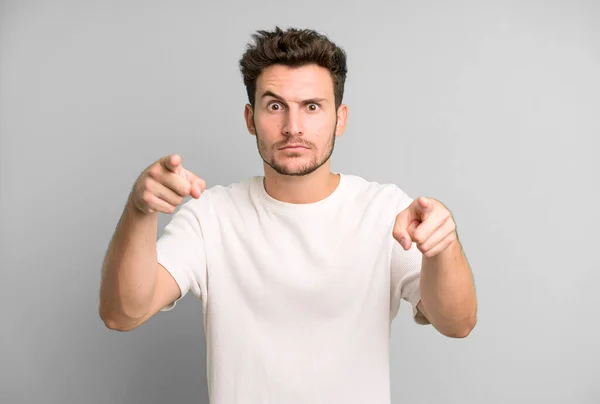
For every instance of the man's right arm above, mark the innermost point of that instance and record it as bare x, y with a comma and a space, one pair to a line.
134, 285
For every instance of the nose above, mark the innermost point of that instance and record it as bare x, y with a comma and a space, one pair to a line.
293, 123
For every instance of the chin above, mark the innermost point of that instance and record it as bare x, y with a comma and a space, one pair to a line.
293, 168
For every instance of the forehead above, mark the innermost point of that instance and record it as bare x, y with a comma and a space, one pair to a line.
296, 82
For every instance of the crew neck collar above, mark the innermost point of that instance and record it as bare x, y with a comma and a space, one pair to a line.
299, 208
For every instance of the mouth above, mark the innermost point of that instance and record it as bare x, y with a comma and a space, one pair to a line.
293, 147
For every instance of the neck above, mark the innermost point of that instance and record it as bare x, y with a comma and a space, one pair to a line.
309, 188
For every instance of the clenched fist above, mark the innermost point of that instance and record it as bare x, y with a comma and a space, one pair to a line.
164, 185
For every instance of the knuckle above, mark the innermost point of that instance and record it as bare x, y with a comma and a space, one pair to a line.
428, 251
155, 171
181, 191
146, 185
147, 197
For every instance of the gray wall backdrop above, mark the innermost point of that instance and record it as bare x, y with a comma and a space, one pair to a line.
491, 107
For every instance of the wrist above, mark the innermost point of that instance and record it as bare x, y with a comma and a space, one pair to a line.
134, 211
448, 254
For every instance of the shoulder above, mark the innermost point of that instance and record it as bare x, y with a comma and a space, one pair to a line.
233, 190
377, 193
223, 195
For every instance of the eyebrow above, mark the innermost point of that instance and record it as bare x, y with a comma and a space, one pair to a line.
308, 101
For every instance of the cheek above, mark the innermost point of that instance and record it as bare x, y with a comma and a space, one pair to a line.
322, 129
325, 123
268, 125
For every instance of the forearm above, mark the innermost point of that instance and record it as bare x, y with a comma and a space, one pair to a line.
129, 268
448, 291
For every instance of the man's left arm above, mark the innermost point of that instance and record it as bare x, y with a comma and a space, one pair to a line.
448, 298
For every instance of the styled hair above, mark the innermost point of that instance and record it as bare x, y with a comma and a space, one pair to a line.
295, 48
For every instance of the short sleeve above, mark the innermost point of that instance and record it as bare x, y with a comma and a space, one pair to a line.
405, 272
405, 278
181, 250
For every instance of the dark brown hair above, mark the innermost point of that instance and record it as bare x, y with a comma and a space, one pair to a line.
293, 47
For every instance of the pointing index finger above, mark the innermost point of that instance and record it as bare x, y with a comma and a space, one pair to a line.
419, 209
424, 204
172, 163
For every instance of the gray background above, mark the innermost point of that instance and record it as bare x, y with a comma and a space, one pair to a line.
491, 108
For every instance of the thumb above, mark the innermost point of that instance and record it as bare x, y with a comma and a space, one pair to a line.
412, 227
400, 232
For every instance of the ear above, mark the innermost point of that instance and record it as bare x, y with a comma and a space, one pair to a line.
249, 117
342, 119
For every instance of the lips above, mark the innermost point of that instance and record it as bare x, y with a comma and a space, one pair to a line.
293, 147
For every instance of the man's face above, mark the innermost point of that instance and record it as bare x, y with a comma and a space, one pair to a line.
294, 119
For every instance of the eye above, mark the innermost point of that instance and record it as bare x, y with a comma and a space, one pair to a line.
274, 106
312, 107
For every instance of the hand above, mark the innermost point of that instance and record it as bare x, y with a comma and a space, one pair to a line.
428, 223
163, 186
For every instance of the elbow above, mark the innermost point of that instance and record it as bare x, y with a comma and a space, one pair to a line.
113, 322
459, 334
116, 325
462, 331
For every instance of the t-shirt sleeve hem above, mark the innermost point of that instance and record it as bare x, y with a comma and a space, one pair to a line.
414, 298
179, 278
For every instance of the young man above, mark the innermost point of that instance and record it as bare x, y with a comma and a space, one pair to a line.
300, 271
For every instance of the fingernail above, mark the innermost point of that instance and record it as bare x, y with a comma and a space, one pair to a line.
402, 242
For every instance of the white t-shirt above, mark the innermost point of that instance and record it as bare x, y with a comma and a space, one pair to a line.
298, 299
